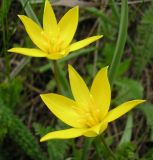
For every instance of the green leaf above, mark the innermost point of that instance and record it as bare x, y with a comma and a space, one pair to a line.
19, 134
10, 92
28, 9
114, 8
123, 67
127, 134
101, 150
126, 152
56, 148
121, 40
3, 132
147, 109
108, 52
128, 89
144, 41
100, 14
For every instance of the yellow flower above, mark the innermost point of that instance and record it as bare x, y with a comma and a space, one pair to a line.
89, 113
54, 39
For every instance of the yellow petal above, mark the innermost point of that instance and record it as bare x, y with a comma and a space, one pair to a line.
83, 43
35, 32
79, 89
63, 134
101, 91
96, 130
28, 52
63, 108
58, 55
49, 19
122, 109
68, 25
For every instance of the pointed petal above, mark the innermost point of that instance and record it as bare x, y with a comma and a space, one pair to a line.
83, 43
63, 108
28, 52
63, 134
58, 55
68, 25
96, 130
79, 89
34, 31
49, 19
122, 109
101, 91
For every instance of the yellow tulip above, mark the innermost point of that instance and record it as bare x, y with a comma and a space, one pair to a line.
54, 39
88, 114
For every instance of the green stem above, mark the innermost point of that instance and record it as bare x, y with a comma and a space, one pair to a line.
121, 40
61, 81
88, 142
56, 76
107, 147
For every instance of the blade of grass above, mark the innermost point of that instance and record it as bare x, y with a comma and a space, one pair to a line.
95, 58
100, 14
121, 40
106, 19
4, 21
109, 150
86, 147
19, 67
114, 9
127, 134
29, 11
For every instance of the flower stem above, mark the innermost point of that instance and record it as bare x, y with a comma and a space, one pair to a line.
61, 81
56, 75
107, 147
87, 144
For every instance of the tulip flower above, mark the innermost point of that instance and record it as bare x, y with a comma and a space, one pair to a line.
54, 40
88, 114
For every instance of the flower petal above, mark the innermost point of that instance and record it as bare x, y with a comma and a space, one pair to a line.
83, 43
58, 55
28, 52
101, 91
122, 109
49, 19
63, 134
96, 130
63, 108
35, 32
68, 25
79, 89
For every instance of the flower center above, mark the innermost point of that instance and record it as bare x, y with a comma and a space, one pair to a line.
53, 44
89, 115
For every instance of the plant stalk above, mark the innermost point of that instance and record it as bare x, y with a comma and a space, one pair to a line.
56, 76
107, 147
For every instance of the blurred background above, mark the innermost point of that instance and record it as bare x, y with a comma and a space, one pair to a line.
23, 116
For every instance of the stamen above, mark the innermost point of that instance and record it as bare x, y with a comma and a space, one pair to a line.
90, 114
